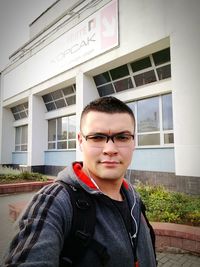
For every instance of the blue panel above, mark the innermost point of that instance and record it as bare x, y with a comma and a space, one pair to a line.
153, 159
19, 158
59, 158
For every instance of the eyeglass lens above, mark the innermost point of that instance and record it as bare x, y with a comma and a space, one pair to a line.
98, 140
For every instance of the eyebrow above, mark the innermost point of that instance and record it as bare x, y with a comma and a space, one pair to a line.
100, 133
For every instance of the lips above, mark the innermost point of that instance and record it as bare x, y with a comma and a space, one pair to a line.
110, 162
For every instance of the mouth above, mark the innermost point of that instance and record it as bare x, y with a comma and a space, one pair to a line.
110, 163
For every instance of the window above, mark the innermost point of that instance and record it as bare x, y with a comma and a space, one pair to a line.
148, 115
21, 138
123, 85
62, 133
119, 72
102, 78
152, 68
161, 57
167, 119
60, 98
20, 111
148, 121
154, 121
145, 78
167, 112
107, 89
141, 64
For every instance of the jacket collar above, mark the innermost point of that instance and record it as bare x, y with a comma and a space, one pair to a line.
77, 167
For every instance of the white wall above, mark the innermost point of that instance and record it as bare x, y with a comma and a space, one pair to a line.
145, 26
49, 16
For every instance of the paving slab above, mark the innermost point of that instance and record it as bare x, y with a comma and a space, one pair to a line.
166, 259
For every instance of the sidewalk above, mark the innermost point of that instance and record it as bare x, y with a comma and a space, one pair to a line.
166, 259
7, 228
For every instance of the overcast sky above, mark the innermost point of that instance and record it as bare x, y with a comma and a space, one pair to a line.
15, 17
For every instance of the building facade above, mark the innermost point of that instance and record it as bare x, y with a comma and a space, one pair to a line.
143, 52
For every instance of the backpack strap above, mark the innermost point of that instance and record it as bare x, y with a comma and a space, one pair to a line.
82, 228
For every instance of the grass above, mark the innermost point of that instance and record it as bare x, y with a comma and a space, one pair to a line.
10, 175
166, 206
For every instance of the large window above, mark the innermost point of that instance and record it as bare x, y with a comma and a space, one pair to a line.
60, 98
21, 138
149, 69
62, 133
154, 121
20, 111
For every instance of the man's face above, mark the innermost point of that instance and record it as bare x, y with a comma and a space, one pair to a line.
108, 161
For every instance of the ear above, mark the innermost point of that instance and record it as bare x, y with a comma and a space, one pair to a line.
80, 141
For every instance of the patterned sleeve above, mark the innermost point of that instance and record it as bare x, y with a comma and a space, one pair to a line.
42, 227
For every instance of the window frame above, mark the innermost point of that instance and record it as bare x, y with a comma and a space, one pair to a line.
20, 111
161, 131
53, 100
153, 68
67, 140
21, 144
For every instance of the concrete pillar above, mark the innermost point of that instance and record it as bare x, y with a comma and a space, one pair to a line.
37, 131
86, 91
185, 58
7, 136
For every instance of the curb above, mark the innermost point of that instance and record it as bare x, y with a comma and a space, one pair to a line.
171, 236
22, 187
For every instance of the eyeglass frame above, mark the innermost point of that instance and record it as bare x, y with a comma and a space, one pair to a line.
109, 137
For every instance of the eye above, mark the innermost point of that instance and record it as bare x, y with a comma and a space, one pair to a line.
122, 137
97, 138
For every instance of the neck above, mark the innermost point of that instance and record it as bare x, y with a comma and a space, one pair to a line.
113, 194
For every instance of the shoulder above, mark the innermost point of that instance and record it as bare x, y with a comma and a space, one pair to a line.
50, 200
52, 192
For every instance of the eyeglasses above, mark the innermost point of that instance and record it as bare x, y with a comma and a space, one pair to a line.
99, 140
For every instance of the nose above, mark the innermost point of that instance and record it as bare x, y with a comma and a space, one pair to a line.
110, 148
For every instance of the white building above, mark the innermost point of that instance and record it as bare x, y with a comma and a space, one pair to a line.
143, 52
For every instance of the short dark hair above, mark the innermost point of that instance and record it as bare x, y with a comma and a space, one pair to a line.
108, 104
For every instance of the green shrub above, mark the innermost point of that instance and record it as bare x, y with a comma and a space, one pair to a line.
12, 175
25, 175
166, 206
8, 170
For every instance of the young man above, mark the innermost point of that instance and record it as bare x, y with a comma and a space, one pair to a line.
106, 140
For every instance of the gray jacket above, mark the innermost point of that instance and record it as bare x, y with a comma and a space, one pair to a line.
47, 221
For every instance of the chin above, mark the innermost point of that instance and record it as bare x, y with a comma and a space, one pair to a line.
110, 176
